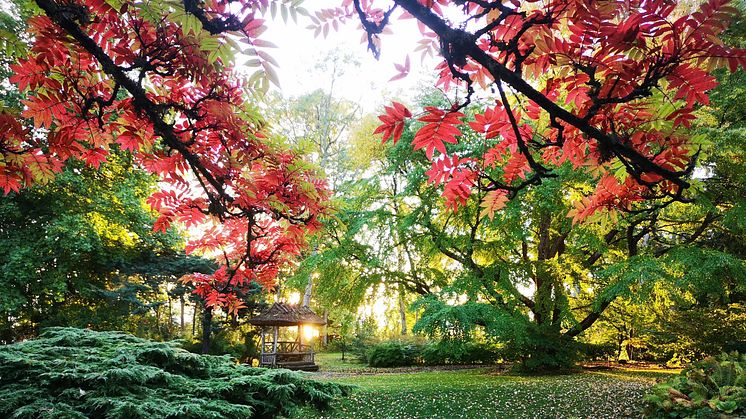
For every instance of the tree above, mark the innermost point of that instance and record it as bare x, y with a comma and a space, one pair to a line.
687, 321
78, 244
156, 79
597, 122
370, 244
318, 122
527, 274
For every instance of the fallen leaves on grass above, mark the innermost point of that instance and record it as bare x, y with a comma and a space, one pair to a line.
476, 394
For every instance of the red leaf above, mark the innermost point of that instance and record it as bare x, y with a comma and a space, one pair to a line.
95, 156
393, 121
440, 129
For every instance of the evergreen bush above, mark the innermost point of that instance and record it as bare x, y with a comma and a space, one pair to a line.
76, 373
712, 388
597, 351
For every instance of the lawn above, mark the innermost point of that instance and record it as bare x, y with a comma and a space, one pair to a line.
483, 393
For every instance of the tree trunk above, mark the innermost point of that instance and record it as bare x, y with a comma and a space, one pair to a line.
402, 311
206, 329
194, 320
181, 314
158, 320
543, 298
170, 320
309, 291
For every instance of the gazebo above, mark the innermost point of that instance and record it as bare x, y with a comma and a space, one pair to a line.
286, 354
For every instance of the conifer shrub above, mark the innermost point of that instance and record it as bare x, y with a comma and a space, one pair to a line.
712, 388
76, 373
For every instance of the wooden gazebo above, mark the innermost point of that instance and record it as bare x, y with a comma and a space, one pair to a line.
286, 354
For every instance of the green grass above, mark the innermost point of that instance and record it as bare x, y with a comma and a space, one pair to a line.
480, 393
332, 362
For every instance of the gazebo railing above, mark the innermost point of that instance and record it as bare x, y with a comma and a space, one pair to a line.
268, 359
286, 346
287, 351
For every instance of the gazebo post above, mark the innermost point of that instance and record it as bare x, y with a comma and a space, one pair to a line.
300, 337
261, 350
274, 346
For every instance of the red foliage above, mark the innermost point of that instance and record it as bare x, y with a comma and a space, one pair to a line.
440, 128
590, 81
139, 78
393, 122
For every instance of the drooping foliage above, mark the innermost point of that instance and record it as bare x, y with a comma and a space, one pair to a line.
609, 87
528, 276
157, 79
576, 108
80, 373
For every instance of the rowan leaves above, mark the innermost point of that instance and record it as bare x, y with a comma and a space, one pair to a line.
492, 202
578, 82
440, 128
393, 121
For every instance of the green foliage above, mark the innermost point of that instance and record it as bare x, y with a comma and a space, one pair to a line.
542, 351
393, 354
698, 331
459, 353
712, 388
452, 322
537, 348
76, 373
405, 354
597, 351
82, 243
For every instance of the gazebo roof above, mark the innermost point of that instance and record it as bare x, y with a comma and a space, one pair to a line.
281, 314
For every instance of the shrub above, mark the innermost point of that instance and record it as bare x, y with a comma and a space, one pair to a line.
541, 351
597, 351
393, 354
78, 373
404, 354
712, 388
455, 352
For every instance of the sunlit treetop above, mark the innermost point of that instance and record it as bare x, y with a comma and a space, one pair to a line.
607, 86
157, 78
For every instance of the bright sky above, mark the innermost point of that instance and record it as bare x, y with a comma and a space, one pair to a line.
298, 54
